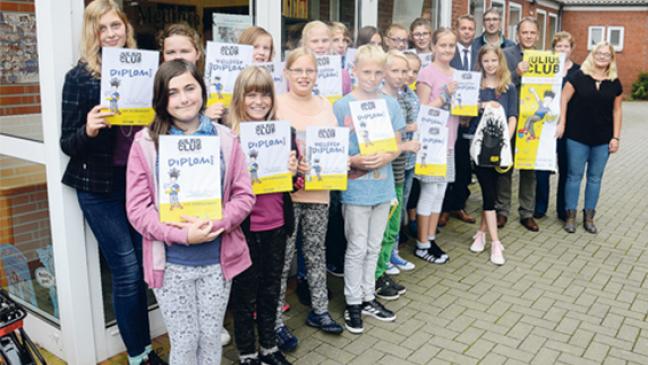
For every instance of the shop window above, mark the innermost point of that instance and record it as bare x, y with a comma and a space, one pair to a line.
404, 12
514, 17
476, 9
26, 256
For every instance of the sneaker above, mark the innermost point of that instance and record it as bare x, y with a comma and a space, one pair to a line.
274, 358
427, 255
479, 242
400, 262
353, 319
384, 290
154, 359
250, 361
378, 311
225, 338
303, 292
437, 251
399, 288
497, 255
338, 272
324, 322
286, 341
392, 269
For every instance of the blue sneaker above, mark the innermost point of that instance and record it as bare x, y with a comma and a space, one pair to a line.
286, 341
324, 322
400, 262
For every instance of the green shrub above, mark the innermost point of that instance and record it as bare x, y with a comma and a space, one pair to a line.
640, 87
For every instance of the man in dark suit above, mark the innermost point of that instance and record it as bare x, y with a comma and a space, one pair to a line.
457, 192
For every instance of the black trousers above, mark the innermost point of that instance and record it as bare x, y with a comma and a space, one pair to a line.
457, 192
487, 177
258, 287
335, 239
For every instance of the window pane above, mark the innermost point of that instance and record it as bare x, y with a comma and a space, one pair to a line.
26, 256
552, 28
542, 21
477, 10
19, 88
615, 37
596, 35
514, 18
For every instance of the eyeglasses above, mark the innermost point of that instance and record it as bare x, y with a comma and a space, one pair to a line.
398, 40
421, 34
301, 71
603, 55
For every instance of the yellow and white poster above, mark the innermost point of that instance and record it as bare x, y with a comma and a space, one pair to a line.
127, 85
432, 130
329, 77
327, 153
223, 63
373, 126
275, 69
267, 150
535, 144
465, 100
189, 179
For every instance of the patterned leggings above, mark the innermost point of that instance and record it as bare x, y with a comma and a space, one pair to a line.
313, 219
193, 300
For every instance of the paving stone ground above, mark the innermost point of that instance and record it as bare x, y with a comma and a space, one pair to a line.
560, 298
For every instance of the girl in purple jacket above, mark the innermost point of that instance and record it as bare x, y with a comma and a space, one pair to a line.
190, 265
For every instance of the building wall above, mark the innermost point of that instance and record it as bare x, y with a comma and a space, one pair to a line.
633, 59
16, 98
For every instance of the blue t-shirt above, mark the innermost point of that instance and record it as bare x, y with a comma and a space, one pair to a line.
207, 253
368, 187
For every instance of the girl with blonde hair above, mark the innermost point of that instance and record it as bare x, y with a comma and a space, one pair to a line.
261, 40
97, 170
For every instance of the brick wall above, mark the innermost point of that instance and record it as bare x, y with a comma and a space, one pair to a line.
634, 57
18, 98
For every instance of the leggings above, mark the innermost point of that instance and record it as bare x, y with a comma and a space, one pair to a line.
313, 219
487, 177
193, 300
431, 198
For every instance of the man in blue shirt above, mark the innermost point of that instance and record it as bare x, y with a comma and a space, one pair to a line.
492, 21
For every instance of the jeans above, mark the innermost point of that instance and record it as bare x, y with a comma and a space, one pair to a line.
121, 247
578, 154
259, 285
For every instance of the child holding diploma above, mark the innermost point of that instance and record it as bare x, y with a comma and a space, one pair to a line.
266, 230
97, 170
496, 91
367, 201
435, 88
261, 40
189, 265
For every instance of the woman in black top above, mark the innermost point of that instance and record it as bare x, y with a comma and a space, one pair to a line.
563, 42
97, 170
591, 101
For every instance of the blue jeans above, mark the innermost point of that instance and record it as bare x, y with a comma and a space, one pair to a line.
121, 247
578, 154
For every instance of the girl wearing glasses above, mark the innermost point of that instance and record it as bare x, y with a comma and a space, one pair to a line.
421, 35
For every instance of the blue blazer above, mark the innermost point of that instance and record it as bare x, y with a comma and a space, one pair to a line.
457, 60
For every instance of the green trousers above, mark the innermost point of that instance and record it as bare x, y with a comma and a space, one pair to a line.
391, 233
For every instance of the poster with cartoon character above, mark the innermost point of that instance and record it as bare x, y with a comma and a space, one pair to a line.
223, 63
535, 144
127, 77
465, 101
373, 126
491, 146
329, 77
267, 150
189, 177
276, 70
327, 151
432, 131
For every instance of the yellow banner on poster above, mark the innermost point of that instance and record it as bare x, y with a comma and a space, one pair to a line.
432, 131
272, 184
535, 144
327, 182
327, 153
131, 116
373, 126
431, 169
465, 100
223, 98
206, 209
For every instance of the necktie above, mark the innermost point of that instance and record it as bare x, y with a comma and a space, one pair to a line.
464, 62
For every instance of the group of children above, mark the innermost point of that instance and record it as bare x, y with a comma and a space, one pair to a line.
196, 267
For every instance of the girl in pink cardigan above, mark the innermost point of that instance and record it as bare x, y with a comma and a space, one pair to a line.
190, 265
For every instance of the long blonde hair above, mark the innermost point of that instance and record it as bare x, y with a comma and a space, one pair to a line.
588, 65
90, 43
250, 35
502, 74
251, 79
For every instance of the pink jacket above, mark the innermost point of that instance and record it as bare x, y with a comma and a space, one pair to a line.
142, 207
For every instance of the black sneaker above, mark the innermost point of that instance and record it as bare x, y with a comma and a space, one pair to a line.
250, 361
384, 289
353, 319
399, 288
154, 359
378, 311
437, 251
274, 358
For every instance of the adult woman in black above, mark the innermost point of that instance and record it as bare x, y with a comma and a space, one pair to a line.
591, 102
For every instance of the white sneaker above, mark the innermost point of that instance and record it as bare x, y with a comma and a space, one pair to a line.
497, 254
392, 269
225, 337
479, 242
400, 262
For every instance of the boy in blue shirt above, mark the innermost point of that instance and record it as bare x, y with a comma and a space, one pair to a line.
367, 200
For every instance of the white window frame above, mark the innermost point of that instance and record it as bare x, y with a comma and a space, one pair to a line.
589, 35
511, 27
608, 36
542, 32
555, 30
503, 14
479, 29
